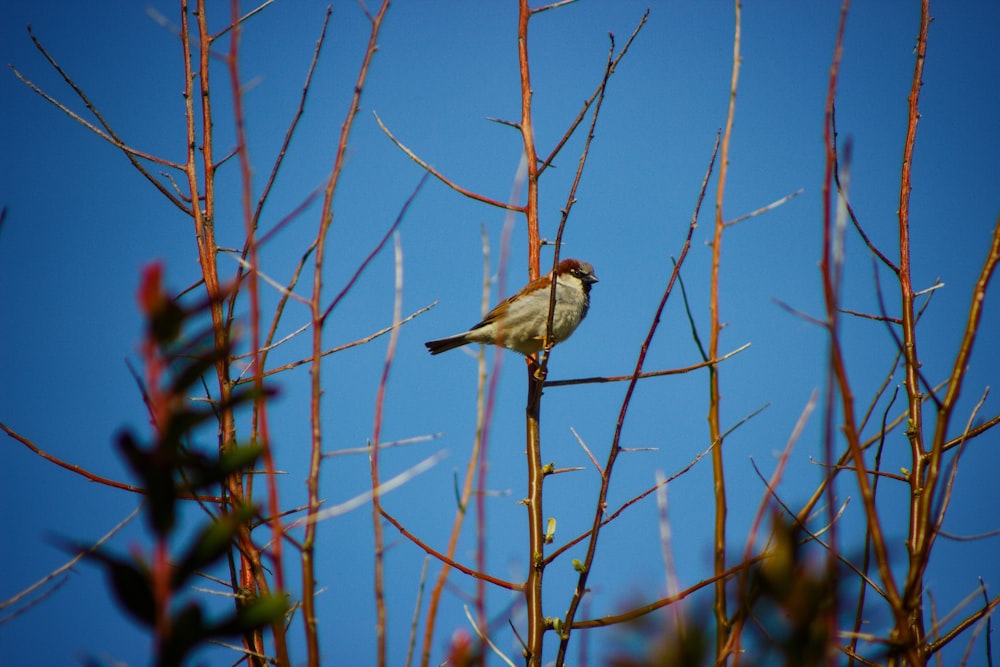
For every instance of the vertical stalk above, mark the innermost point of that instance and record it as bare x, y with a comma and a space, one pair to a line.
477, 462
838, 367
376, 444
536, 535
528, 134
925, 465
714, 420
205, 239
318, 318
260, 430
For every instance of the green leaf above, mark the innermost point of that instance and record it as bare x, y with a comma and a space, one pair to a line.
213, 541
257, 613
239, 458
262, 611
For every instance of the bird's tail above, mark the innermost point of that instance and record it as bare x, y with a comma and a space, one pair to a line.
445, 344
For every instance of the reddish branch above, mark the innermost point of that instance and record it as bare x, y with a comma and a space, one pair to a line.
615, 450
450, 562
838, 367
536, 535
714, 418
260, 432
83, 472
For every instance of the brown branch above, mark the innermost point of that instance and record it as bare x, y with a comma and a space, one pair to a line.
83, 472
663, 602
375, 251
113, 140
877, 318
260, 431
533, 446
598, 92
924, 524
340, 348
715, 397
374, 459
570, 200
842, 192
873, 473
926, 469
241, 19
649, 374
598, 522
444, 559
279, 160
318, 318
798, 313
969, 538
66, 566
830, 271
110, 135
441, 177
476, 462
986, 611
973, 432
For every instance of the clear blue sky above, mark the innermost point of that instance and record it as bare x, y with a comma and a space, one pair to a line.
81, 224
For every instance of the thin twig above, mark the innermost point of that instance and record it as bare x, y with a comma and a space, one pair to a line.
598, 522
648, 374
586, 449
482, 635
764, 209
441, 177
345, 346
241, 20
83, 472
68, 564
318, 316
448, 561
571, 130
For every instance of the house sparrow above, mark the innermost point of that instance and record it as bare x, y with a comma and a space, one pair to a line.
519, 322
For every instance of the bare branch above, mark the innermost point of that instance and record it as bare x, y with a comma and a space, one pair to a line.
444, 179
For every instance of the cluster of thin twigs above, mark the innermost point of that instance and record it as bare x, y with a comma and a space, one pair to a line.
769, 560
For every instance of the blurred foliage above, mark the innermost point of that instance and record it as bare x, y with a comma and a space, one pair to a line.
152, 590
785, 604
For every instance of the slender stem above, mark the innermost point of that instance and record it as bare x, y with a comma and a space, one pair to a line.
318, 317
376, 444
925, 465
536, 535
714, 417
260, 432
838, 367
528, 135
477, 462
204, 228
599, 511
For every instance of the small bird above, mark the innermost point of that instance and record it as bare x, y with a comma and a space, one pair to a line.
519, 322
